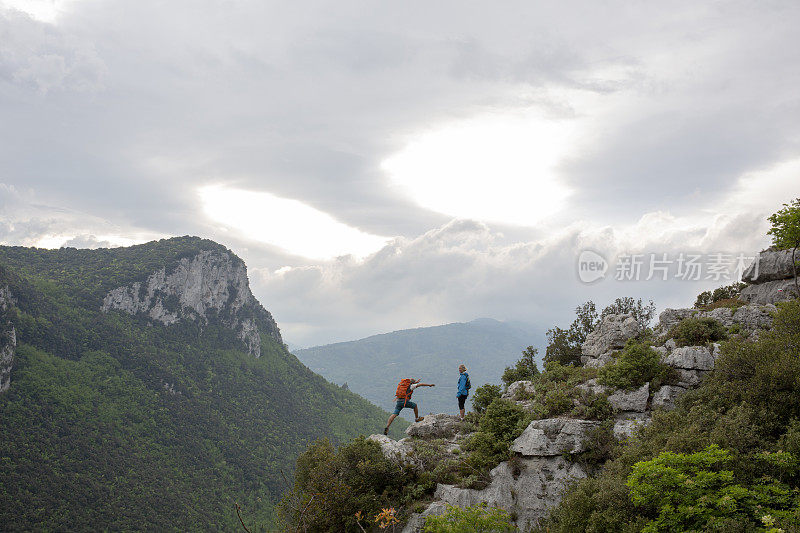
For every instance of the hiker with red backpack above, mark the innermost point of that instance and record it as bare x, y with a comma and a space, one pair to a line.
403, 399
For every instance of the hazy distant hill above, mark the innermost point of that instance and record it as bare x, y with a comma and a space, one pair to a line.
145, 388
372, 366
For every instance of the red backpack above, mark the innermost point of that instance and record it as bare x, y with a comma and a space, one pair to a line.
404, 390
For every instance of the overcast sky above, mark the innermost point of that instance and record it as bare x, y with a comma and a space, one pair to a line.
381, 165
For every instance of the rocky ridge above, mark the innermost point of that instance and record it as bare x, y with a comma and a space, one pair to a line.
210, 283
530, 484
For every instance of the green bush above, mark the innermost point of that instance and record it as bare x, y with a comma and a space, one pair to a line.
502, 420
727, 296
633, 367
484, 396
556, 394
332, 485
749, 406
697, 331
524, 370
476, 519
693, 492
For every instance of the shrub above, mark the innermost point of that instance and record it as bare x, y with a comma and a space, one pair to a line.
332, 485
502, 419
633, 367
641, 312
692, 492
750, 408
564, 345
484, 396
727, 296
476, 519
524, 369
697, 331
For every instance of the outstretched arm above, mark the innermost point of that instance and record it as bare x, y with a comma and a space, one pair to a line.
426, 384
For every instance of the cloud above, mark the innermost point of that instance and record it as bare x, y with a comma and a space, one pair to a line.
683, 125
40, 56
465, 269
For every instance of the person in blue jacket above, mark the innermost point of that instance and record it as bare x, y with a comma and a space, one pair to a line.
463, 389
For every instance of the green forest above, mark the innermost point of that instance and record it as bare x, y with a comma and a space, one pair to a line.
115, 422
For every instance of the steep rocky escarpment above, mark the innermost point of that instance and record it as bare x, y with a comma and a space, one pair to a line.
8, 339
210, 284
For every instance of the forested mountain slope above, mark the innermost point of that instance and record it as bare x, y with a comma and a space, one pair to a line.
146, 388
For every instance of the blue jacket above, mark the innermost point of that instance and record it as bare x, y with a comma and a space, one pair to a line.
462, 385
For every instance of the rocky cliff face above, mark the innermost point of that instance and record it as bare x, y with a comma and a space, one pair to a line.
8, 340
770, 278
210, 283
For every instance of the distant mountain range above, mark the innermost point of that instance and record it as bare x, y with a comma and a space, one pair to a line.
373, 366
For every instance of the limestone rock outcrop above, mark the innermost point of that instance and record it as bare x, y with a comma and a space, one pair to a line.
612, 334
210, 283
769, 265
770, 292
665, 396
399, 450
553, 436
531, 487
635, 400
626, 424
8, 340
519, 387
691, 358
437, 426
749, 318
770, 278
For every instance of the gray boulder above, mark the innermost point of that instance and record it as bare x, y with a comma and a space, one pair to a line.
670, 317
631, 401
553, 436
592, 386
770, 265
691, 358
690, 378
399, 450
770, 292
597, 362
626, 424
665, 396
523, 387
438, 426
611, 334
752, 317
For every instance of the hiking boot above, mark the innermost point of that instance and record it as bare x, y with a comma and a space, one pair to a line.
420, 419
385, 431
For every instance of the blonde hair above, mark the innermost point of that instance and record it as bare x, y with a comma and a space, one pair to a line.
462, 366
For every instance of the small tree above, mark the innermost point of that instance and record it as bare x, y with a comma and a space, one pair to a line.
785, 233
525, 368
564, 345
641, 312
